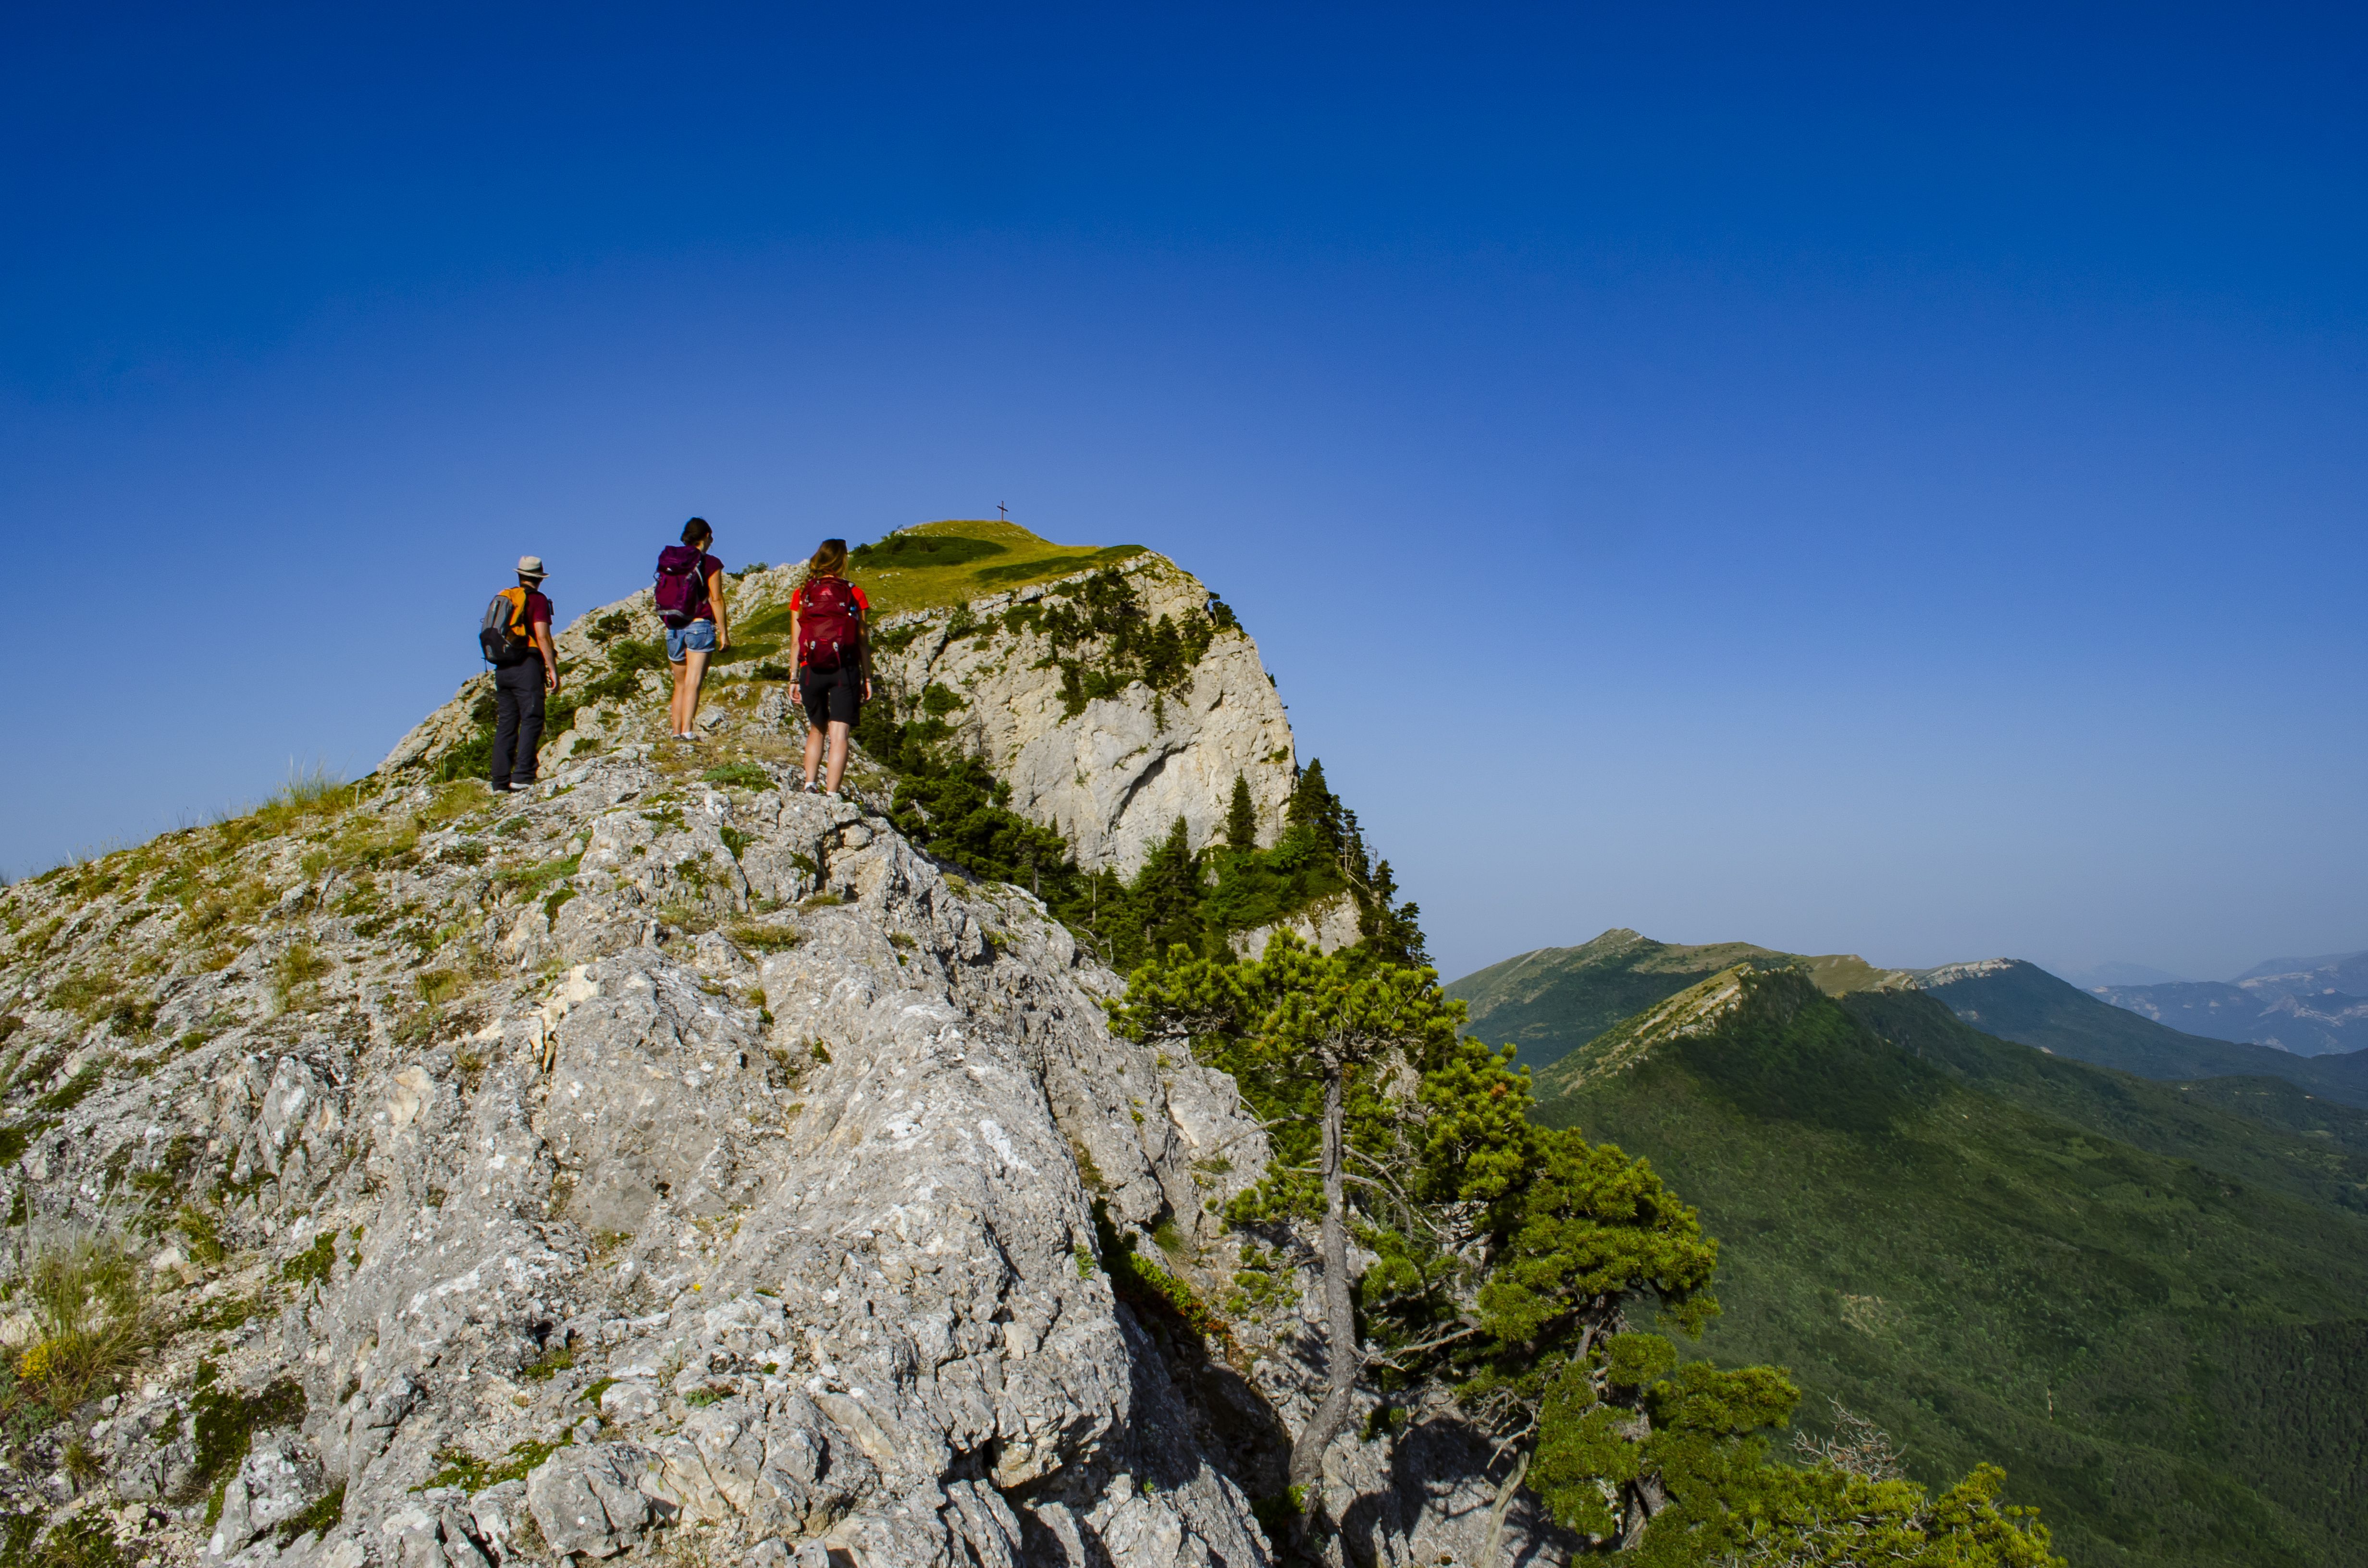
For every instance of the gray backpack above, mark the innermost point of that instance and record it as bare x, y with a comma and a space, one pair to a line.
505, 637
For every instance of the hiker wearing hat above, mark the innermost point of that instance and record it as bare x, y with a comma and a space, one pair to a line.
516, 643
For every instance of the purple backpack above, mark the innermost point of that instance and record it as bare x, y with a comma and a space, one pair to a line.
681, 586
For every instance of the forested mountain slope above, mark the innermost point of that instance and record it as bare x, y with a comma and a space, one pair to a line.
2262, 1131
2169, 1359
2020, 1001
1553, 1000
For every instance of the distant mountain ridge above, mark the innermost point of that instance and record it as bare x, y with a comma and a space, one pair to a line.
2020, 1001
1550, 1001
2260, 1012
2311, 1007
2334, 972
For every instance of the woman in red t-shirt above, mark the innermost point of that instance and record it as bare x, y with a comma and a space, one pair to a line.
834, 657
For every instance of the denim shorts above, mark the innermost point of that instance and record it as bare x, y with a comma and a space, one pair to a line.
698, 637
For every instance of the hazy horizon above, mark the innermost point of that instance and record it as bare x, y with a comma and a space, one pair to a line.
1844, 478
2086, 976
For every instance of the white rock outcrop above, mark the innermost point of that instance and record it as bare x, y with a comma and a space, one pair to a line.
652, 1168
1114, 777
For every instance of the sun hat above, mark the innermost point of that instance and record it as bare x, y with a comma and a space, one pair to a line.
531, 566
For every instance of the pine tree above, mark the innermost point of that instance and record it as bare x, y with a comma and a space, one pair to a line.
1163, 903
1241, 817
1318, 808
1514, 1265
1319, 1043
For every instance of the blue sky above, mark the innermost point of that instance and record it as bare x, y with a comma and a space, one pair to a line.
1841, 478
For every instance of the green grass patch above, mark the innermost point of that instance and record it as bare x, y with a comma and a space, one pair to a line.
87, 996
312, 1265
201, 1238
317, 1517
745, 648
750, 937
226, 1423
225, 1314
1147, 1287
739, 776
533, 879
437, 986
86, 1541
552, 1361
950, 562
73, 1092
296, 968
472, 1474
91, 1315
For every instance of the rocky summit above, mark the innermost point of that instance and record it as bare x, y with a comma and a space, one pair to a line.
665, 1164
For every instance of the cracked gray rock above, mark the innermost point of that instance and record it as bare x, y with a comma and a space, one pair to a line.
652, 1165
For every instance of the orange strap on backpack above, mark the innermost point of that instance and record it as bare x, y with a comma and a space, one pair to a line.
518, 627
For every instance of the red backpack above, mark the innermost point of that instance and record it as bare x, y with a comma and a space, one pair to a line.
830, 623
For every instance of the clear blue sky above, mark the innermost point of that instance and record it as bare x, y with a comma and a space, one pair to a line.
1847, 479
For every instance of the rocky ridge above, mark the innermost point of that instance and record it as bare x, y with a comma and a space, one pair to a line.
669, 1164
1111, 771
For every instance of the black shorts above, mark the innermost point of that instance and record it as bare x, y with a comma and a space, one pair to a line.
831, 696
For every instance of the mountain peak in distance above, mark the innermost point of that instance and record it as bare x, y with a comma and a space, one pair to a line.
1549, 1001
2328, 972
2116, 972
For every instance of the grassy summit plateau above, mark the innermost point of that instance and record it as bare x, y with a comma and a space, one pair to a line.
934, 564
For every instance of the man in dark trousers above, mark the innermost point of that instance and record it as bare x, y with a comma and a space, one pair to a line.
519, 688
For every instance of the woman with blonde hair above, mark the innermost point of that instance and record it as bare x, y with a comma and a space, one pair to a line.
834, 657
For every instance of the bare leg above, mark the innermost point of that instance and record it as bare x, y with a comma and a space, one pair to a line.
697, 662
813, 752
838, 752
675, 705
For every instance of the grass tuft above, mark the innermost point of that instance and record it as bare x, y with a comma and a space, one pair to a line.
91, 1314
750, 937
293, 974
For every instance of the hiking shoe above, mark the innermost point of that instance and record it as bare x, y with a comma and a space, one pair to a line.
499, 788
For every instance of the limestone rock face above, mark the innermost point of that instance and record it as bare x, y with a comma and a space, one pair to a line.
594, 1230
1328, 924
664, 1164
1114, 776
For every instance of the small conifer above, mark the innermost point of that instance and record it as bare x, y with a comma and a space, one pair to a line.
1241, 817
